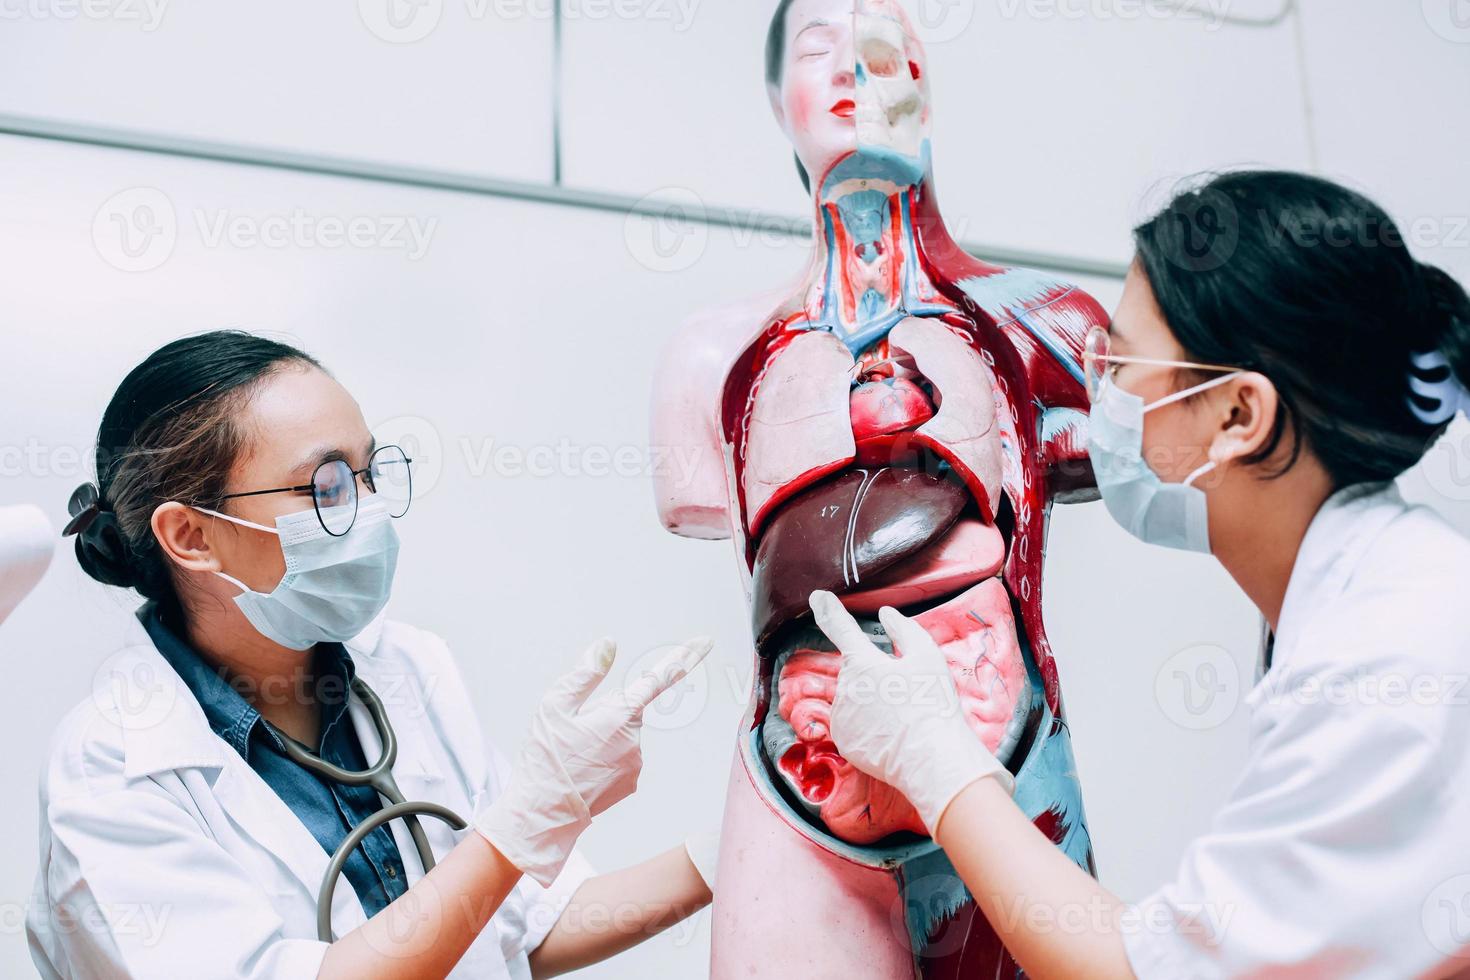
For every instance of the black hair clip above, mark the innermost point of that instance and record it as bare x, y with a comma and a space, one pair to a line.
85, 506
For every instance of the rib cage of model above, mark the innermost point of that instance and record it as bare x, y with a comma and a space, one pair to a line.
894, 431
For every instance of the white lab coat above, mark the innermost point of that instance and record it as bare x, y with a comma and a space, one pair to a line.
163, 854
1344, 849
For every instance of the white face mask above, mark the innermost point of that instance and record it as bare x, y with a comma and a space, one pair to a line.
1174, 515
334, 587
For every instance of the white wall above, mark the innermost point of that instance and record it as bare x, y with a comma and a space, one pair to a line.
532, 326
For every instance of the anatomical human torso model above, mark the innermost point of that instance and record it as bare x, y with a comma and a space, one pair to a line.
893, 429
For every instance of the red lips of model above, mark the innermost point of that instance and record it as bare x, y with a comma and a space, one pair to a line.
845, 108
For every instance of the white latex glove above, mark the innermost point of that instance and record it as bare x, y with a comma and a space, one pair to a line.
579, 759
704, 853
899, 719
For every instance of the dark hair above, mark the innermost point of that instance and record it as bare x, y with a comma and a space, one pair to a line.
1312, 285
170, 433
776, 64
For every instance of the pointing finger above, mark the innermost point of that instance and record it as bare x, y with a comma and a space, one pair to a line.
837, 623
909, 638
670, 670
574, 687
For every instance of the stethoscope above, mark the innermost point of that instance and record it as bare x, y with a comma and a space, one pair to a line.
380, 777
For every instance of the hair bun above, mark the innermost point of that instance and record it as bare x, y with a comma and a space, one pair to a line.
101, 548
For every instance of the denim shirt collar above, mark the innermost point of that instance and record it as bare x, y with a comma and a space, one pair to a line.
230, 716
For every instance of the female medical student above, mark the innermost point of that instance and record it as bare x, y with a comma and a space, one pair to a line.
241, 493
1256, 401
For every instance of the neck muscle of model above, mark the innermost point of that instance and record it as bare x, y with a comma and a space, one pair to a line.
866, 275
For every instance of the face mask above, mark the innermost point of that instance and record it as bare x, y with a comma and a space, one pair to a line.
334, 587
1174, 515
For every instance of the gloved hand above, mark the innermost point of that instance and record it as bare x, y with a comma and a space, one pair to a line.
899, 719
579, 759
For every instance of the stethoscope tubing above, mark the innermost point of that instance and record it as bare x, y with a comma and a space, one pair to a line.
380, 777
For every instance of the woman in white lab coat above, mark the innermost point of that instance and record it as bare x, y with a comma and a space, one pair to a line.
1277, 359
241, 493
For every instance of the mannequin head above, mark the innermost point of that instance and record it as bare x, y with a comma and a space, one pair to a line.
849, 77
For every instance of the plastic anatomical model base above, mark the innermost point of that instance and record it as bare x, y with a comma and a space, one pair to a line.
893, 429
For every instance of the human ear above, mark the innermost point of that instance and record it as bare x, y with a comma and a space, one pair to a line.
180, 533
1247, 415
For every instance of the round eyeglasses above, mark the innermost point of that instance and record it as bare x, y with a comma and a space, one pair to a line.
1099, 362
333, 487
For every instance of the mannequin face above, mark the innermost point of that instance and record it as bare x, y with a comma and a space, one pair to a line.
854, 76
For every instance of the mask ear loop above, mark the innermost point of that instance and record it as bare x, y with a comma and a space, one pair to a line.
243, 523
240, 521
1179, 396
1189, 480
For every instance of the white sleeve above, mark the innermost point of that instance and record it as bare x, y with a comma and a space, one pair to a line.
136, 888
1345, 826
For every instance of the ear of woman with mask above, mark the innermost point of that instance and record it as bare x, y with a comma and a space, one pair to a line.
1255, 401
241, 494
